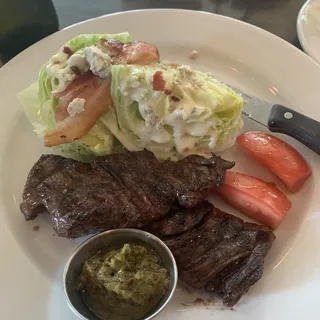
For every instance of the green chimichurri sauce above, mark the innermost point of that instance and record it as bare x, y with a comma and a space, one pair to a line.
123, 284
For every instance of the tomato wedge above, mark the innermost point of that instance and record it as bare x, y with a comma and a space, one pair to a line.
278, 156
255, 198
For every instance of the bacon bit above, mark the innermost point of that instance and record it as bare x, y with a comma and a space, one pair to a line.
198, 301
167, 92
67, 51
174, 98
137, 52
112, 46
36, 228
186, 149
158, 82
76, 70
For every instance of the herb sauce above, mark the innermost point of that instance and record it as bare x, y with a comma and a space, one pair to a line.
123, 284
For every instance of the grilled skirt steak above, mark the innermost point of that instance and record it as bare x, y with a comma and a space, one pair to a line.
214, 250
221, 253
120, 190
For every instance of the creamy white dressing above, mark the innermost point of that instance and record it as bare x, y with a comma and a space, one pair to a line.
160, 135
183, 116
60, 57
76, 106
198, 129
62, 79
79, 61
53, 69
57, 71
184, 143
153, 129
56, 63
135, 83
60, 66
100, 62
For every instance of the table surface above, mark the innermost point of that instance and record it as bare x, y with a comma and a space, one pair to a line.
276, 16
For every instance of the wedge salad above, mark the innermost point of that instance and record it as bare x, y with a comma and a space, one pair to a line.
100, 91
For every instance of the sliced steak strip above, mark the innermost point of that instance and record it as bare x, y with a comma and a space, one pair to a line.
129, 189
191, 247
138, 172
92, 200
231, 284
221, 253
194, 175
180, 220
46, 166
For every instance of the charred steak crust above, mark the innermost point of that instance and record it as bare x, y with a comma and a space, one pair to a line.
129, 189
180, 220
194, 175
221, 253
46, 166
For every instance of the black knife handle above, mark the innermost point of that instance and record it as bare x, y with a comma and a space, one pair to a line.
296, 125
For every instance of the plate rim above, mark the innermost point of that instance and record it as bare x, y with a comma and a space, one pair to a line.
188, 11
196, 12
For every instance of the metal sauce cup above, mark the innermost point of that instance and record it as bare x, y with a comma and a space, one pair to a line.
115, 239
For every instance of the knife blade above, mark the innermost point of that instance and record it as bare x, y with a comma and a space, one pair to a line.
279, 118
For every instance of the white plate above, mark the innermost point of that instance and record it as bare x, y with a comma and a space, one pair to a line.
238, 53
308, 28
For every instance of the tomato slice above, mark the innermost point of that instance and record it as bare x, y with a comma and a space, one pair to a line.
255, 198
278, 156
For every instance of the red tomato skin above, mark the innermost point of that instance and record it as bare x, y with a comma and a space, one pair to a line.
255, 198
277, 156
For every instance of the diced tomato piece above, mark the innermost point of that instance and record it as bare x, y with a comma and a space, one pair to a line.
255, 198
159, 83
278, 156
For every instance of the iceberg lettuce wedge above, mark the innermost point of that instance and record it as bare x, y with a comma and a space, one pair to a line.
195, 113
39, 105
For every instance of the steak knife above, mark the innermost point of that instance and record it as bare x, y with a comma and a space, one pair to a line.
279, 118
